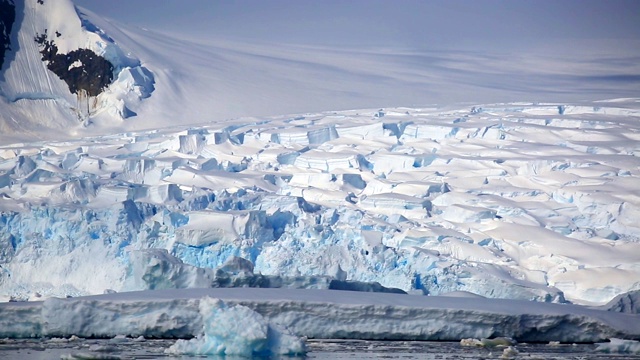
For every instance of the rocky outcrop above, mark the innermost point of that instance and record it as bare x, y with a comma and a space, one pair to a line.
7, 18
83, 70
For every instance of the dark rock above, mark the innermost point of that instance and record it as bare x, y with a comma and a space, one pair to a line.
348, 285
81, 69
7, 18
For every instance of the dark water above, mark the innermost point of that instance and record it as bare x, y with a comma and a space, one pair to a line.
322, 350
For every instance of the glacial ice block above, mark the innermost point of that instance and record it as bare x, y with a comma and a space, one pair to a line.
237, 330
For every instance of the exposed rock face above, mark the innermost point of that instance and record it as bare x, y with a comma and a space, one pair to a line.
81, 69
7, 18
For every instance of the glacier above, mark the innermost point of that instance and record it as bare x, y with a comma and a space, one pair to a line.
474, 211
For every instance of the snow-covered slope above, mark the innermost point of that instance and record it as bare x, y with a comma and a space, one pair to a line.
525, 201
62, 73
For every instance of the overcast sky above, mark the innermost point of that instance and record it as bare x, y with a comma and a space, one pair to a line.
429, 24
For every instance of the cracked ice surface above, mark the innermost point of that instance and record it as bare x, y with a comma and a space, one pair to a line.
507, 201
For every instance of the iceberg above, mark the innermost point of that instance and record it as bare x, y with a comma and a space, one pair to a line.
237, 330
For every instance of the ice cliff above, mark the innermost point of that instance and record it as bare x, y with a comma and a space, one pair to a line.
251, 321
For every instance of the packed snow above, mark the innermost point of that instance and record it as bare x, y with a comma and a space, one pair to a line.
168, 74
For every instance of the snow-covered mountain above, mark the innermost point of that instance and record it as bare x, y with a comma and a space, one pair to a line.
524, 200
60, 72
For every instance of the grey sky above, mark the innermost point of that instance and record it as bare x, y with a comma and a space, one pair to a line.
429, 24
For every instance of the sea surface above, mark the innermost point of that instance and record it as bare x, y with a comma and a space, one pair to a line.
33, 349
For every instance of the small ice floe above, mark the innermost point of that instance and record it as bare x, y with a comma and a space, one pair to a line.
509, 352
89, 356
140, 339
119, 339
619, 346
499, 341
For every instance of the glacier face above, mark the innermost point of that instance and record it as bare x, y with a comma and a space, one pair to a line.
505, 201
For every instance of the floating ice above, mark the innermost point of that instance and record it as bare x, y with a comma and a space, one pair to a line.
237, 330
619, 346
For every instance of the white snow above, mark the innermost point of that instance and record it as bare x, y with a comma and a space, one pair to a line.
34, 100
186, 76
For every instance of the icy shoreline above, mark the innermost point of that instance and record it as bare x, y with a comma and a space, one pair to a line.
321, 314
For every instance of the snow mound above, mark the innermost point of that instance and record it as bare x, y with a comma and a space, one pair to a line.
626, 303
237, 330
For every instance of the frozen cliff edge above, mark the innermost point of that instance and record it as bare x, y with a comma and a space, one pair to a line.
317, 314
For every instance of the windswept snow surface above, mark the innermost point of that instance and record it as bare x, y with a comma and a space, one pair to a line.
522, 201
323, 314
